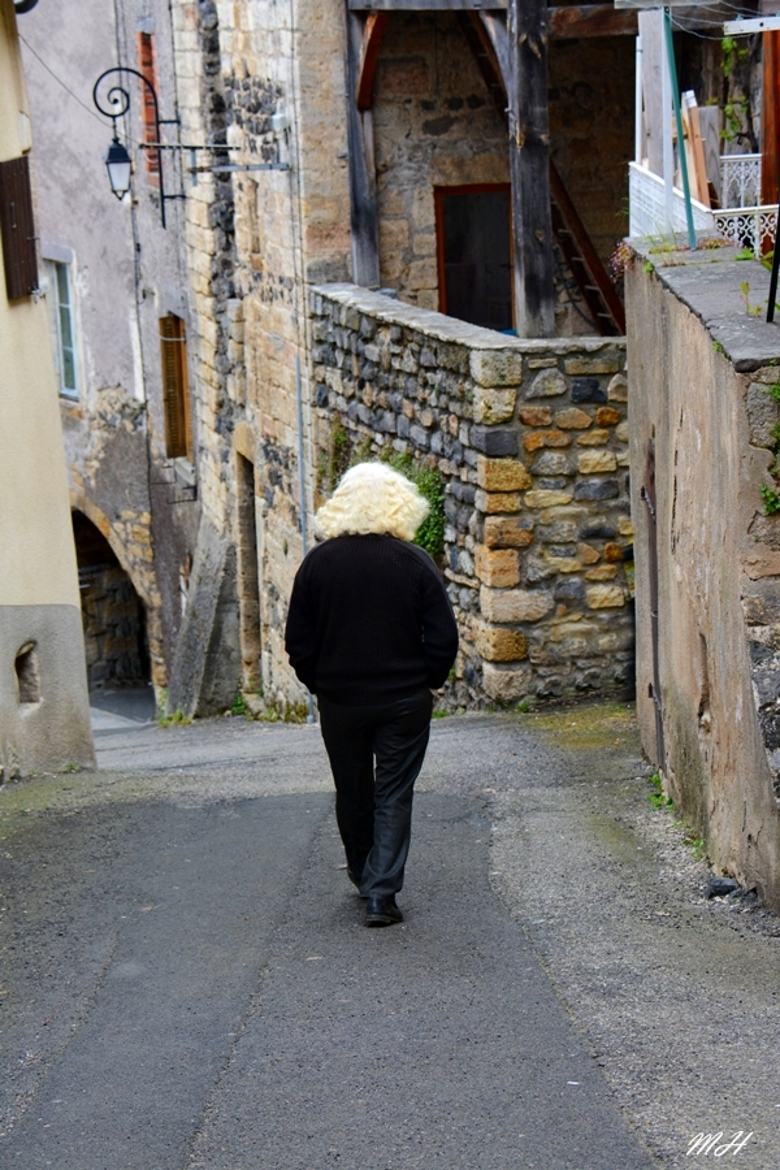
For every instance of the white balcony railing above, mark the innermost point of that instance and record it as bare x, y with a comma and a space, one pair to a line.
740, 180
747, 226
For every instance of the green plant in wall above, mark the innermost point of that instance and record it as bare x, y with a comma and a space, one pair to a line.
657, 798
736, 104
750, 309
429, 481
336, 459
770, 492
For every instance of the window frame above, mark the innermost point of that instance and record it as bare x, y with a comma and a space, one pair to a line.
56, 261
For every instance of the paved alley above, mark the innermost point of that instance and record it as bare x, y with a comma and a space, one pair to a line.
187, 983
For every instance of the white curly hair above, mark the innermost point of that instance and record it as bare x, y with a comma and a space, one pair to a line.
372, 498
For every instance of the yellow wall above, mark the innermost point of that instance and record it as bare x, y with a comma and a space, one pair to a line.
38, 556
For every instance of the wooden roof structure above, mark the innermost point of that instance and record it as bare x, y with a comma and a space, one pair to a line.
510, 38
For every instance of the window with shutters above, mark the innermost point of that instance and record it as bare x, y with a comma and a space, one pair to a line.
59, 295
176, 397
17, 229
147, 68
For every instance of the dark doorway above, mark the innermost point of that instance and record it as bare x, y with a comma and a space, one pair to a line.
474, 248
114, 618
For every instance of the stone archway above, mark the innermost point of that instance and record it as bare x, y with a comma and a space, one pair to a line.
120, 536
115, 629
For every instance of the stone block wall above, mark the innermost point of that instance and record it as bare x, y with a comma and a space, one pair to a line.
254, 240
704, 426
530, 438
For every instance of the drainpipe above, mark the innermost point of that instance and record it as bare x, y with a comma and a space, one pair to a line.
302, 482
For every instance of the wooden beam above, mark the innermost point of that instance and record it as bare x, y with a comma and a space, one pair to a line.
376, 23
591, 20
364, 215
770, 120
494, 30
426, 5
529, 158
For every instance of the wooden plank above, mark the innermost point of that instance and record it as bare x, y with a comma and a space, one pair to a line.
529, 158
495, 34
694, 147
770, 120
364, 214
710, 127
17, 228
651, 32
591, 20
426, 5
376, 24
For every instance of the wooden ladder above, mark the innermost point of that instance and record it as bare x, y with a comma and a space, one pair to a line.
590, 275
585, 265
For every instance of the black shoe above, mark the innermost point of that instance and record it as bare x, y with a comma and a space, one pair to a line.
381, 910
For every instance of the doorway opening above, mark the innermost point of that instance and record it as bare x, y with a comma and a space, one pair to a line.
113, 615
474, 253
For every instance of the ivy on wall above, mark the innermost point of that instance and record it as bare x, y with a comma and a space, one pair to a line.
343, 452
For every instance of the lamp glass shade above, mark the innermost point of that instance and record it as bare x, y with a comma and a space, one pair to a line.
119, 167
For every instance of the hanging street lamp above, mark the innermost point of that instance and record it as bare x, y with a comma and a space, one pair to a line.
115, 103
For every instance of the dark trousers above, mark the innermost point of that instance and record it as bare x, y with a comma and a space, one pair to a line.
374, 805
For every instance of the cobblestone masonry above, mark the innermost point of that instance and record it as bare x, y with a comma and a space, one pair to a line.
530, 438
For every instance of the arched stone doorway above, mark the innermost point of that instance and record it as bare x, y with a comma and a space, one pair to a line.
115, 636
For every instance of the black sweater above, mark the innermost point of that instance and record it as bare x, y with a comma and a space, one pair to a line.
369, 621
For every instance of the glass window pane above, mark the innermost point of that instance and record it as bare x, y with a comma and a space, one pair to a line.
66, 336
68, 370
63, 290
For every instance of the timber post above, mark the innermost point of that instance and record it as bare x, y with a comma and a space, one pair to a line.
364, 216
529, 156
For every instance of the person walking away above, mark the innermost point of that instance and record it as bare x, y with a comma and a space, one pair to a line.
370, 631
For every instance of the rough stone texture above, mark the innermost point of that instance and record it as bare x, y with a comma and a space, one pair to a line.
404, 379
718, 570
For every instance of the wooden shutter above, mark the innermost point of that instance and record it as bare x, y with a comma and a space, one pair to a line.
176, 400
17, 228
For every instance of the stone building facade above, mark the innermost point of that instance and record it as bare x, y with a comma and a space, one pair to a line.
533, 459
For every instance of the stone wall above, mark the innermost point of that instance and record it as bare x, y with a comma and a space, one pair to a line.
254, 240
704, 427
113, 628
530, 438
435, 123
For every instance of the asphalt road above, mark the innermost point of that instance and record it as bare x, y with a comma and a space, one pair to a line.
187, 983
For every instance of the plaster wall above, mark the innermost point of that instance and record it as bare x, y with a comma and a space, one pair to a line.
708, 417
39, 598
125, 276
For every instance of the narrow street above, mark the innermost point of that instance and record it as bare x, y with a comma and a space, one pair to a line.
187, 983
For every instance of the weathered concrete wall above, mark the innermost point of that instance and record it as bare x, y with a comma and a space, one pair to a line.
530, 439
702, 372
44, 710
